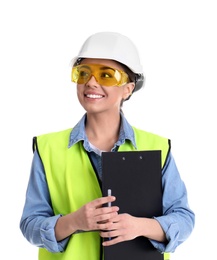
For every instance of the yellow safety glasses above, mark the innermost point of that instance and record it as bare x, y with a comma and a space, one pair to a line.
104, 75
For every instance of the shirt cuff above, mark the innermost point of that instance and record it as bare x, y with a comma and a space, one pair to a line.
48, 236
172, 235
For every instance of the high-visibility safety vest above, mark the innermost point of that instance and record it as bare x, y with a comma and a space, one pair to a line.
72, 182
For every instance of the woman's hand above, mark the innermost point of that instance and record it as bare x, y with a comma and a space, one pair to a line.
95, 216
124, 227
92, 216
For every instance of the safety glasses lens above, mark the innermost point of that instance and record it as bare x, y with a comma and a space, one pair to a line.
104, 75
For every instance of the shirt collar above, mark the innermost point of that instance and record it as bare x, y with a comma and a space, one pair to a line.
78, 133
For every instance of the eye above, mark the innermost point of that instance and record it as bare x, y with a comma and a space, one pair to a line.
106, 75
83, 73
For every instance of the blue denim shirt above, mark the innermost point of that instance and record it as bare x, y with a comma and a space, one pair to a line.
38, 220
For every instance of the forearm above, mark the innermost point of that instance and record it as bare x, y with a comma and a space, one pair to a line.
150, 228
65, 226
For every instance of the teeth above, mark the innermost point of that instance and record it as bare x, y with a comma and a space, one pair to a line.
93, 96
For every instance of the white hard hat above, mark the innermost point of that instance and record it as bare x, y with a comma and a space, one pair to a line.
113, 46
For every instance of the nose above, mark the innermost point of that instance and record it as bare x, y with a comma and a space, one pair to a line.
92, 81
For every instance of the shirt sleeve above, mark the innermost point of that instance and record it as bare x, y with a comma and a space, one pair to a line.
38, 220
178, 219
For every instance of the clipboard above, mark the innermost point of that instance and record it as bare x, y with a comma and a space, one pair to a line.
135, 179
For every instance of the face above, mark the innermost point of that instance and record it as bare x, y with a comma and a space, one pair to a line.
96, 98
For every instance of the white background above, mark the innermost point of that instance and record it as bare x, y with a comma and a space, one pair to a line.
178, 47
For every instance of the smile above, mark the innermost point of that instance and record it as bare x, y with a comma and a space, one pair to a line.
94, 96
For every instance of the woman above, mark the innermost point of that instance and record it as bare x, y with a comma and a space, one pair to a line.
63, 213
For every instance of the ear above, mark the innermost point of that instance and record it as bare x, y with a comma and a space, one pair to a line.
128, 90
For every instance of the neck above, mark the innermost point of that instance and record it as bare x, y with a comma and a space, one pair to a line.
103, 131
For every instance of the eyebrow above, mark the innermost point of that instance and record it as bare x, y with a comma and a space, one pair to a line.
101, 68
106, 67
85, 66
